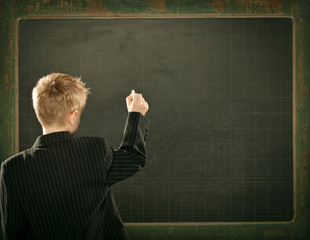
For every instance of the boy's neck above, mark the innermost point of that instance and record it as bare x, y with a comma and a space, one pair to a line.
48, 130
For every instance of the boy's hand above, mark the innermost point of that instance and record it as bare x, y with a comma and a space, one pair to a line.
136, 103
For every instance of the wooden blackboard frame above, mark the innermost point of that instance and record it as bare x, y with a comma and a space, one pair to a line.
298, 228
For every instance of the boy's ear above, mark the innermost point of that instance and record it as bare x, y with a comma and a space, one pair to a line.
72, 115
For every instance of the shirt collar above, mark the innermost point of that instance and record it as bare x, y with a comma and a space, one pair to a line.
51, 138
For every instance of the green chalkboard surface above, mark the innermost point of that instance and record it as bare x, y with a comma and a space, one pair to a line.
220, 145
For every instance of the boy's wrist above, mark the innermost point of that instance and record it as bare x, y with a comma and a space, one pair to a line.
137, 118
135, 112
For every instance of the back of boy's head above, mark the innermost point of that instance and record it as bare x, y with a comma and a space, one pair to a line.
56, 95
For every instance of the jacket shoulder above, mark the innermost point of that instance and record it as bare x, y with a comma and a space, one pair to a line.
89, 141
16, 159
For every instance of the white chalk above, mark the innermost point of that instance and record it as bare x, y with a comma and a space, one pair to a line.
132, 93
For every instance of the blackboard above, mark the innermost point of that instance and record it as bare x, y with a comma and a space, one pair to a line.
220, 146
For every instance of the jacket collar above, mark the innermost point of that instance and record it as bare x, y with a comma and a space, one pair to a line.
51, 138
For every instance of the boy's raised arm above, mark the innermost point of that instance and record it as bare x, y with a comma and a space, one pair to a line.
130, 157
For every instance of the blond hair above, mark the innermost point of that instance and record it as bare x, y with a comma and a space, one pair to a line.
56, 95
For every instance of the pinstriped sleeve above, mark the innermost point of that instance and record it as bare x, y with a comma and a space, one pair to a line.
12, 217
130, 157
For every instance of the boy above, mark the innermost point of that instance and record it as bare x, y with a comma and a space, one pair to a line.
61, 187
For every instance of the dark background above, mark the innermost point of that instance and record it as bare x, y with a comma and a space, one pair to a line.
220, 95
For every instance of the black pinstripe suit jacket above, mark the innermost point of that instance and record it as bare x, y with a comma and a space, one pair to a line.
61, 187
